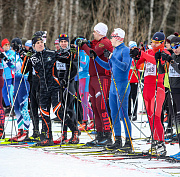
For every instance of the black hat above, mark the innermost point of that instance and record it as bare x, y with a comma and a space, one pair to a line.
175, 40
63, 36
17, 41
159, 36
35, 39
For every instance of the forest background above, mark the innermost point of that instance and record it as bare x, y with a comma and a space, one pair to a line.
139, 18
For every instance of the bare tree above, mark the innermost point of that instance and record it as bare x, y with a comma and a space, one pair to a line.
131, 20
1, 18
151, 20
70, 18
75, 27
27, 18
15, 18
63, 13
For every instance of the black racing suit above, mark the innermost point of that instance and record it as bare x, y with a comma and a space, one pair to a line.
44, 64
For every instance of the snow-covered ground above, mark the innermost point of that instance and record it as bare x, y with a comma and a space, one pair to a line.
24, 162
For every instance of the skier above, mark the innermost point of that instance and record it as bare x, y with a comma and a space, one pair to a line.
8, 76
102, 122
63, 71
153, 98
44, 63
174, 80
56, 45
120, 62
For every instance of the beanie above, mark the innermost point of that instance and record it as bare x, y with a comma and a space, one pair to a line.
159, 36
63, 36
101, 28
132, 44
175, 40
35, 39
4, 41
118, 34
28, 43
56, 41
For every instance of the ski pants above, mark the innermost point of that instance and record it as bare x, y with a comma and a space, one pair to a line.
21, 103
115, 102
102, 121
84, 94
149, 98
2, 116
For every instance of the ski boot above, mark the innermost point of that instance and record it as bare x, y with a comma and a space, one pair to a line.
47, 141
20, 132
127, 147
90, 126
98, 138
62, 138
35, 136
74, 139
116, 145
24, 136
106, 140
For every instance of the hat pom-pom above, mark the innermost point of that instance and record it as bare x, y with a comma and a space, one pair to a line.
176, 34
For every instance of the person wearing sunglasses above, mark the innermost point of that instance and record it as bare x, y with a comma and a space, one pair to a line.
174, 80
153, 96
8, 76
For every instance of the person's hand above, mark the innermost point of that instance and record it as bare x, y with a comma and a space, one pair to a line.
135, 53
157, 55
4, 57
81, 42
29, 54
166, 57
107, 53
92, 54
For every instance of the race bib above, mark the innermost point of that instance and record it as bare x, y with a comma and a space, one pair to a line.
60, 66
172, 72
150, 70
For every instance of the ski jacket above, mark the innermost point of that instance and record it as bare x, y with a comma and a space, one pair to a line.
99, 47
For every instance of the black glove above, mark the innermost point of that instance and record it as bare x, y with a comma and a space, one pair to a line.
73, 49
166, 57
107, 53
29, 54
4, 57
135, 53
92, 54
63, 83
157, 55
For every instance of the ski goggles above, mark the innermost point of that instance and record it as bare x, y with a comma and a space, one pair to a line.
157, 42
175, 45
63, 35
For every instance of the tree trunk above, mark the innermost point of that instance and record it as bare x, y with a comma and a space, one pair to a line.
151, 20
70, 18
1, 19
63, 13
131, 20
75, 27
27, 18
15, 19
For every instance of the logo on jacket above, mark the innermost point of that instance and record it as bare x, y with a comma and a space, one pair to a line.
101, 45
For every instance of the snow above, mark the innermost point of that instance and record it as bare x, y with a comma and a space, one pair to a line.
33, 162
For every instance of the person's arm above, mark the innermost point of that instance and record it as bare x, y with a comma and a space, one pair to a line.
102, 63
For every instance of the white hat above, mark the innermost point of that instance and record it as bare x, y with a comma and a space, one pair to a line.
132, 44
101, 28
118, 34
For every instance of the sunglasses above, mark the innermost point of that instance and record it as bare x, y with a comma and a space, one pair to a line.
175, 45
63, 35
6, 44
156, 42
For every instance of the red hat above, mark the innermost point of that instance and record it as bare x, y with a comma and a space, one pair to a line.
4, 41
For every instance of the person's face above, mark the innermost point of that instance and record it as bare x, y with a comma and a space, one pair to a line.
39, 46
63, 44
168, 46
57, 46
113, 41
176, 51
27, 48
6, 47
155, 44
97, 36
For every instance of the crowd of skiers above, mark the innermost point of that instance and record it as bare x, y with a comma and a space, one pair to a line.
94, 80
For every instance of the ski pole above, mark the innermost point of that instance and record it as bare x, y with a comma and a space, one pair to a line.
85, 130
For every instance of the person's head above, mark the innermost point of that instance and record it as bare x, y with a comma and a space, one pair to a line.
168, 40
16, 44
157, 39
5, 44
132, 45
63, 40
28, 44
117, 37
37, 43
175, 45
42, 34
56, 44
100, 30
23, 39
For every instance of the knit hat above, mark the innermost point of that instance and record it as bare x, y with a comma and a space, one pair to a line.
118, 34
56, 41
132, 44
24, 40
28, 43
35, 39
4, 41
63, 36
159, 37
175, 40
101, 28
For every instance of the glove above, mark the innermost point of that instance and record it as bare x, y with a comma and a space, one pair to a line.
179, 66
73, 49
4, 57
166, 57
157, 55
92, 54
107, 53
63, 83
136, 52
29, 54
